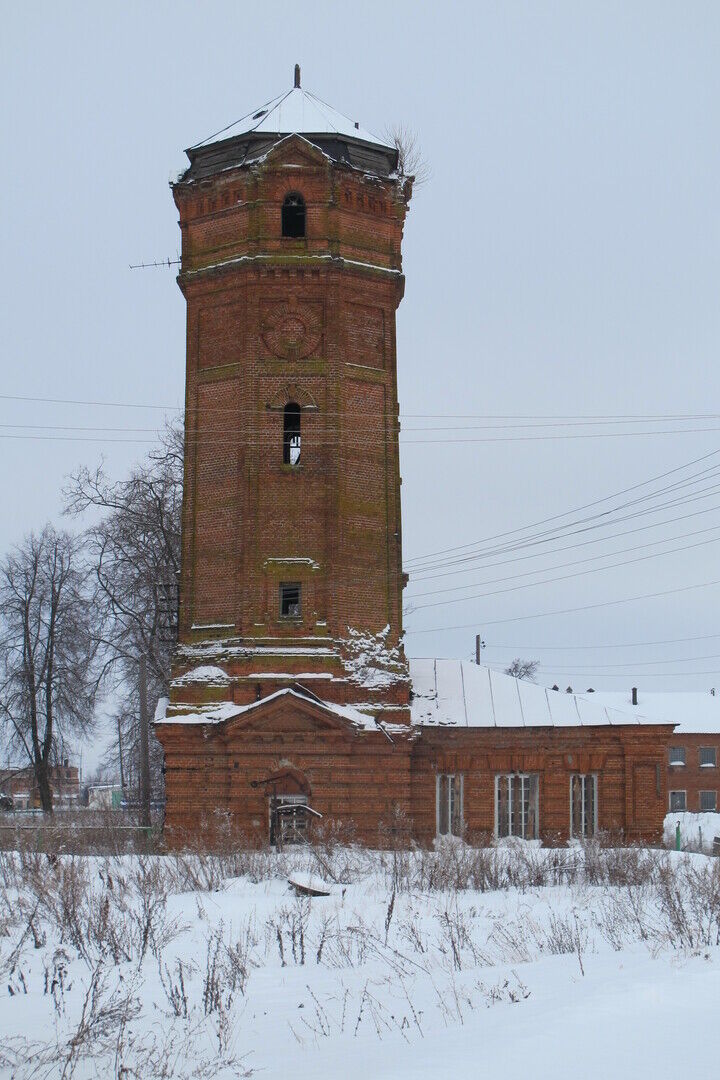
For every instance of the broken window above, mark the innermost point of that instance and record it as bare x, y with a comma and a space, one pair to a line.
678, 800
677, 755
708, 757
290, 607
583, 805
708, 800
449, 804
516, 805
293, 216
291, 434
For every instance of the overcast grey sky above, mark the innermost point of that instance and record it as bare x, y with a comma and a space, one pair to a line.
563, 260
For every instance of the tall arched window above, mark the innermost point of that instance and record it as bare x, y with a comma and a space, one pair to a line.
291, 434
293, 215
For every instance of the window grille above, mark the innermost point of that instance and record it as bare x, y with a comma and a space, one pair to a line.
708, 801
517, 805
583, 805
678, 801
677, 755
449, 804
708, 757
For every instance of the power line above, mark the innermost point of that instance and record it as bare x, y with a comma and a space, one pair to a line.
389, 437
583, 525
588, 525
568, 611
569, 547
634, 664
588, 417
575, 562
619, 645
576, 510
628, 674
384, 421
562, 577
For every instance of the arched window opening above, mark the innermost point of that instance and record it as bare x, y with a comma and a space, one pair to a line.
293, 216
291, 434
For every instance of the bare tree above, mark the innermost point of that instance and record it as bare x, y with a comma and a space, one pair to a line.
49, 674
135, 551
411, 161
523, 669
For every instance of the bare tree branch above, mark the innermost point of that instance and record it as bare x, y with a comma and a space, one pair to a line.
523, 669
49, 675
412, 163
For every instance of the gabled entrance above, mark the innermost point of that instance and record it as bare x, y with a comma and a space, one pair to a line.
290, 815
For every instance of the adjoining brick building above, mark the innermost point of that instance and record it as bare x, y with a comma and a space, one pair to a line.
291, 695
693, 756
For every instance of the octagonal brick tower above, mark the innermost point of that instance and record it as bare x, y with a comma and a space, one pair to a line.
292, 222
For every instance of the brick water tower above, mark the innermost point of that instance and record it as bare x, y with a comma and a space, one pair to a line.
291, 587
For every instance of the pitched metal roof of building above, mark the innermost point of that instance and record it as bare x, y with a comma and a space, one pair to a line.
455, 693
695, 712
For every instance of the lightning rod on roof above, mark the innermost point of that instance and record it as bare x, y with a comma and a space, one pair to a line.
297, 75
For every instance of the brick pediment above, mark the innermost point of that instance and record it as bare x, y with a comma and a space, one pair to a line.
293, 150
289, 714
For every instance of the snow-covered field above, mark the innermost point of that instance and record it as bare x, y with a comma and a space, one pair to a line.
461, 962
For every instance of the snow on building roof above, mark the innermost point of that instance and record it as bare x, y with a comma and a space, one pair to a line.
296, 111
694, 712
219, 712
455, 693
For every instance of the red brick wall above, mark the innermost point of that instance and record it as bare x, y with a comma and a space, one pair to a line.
278, 320
632, 790
362, 778
693, 778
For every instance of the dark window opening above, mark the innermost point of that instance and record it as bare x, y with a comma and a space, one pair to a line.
290, 600
291, 434
678, 801
293, 216
708, 757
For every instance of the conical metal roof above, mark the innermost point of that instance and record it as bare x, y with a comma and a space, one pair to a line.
296, 111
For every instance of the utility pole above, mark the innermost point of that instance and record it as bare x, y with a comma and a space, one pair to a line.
122, 774
479, 646
144, 748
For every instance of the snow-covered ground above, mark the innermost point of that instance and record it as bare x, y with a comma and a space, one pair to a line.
462, 962
697, 831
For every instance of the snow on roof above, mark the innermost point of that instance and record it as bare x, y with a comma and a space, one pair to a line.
205, 673
455, 693
226, 710
694, 712
295, 111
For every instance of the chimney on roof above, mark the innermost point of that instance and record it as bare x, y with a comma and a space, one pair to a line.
297, 76
634, 695
357, 125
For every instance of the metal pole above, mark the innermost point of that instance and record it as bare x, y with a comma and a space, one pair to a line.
144, 749
479, 646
